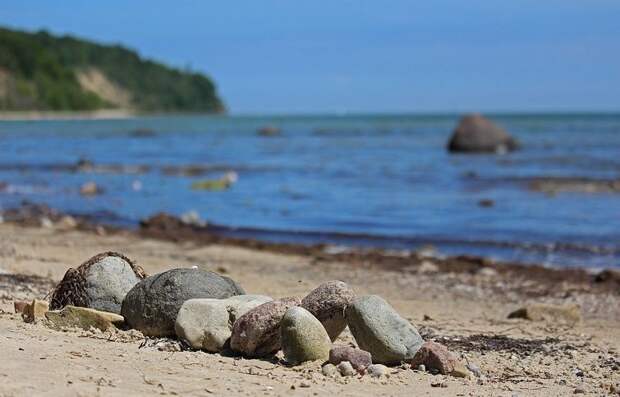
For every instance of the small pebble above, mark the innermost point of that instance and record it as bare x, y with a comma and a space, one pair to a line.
422, 368
346, 369
579, 390
304, 384
329, 370
376, 370
474, 369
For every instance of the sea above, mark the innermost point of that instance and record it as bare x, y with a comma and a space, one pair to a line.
362, 181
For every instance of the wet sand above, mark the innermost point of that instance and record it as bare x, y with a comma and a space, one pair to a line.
466, 310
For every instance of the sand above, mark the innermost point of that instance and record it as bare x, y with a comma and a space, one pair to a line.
466, 311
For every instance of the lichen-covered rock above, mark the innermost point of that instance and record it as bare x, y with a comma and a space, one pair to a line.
100, 283
327, 303
207, 323
476, 133
303, 337
434, 356
381, 331
358, 358
257, 332
152, 305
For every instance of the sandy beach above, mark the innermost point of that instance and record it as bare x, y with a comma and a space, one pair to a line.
467, 311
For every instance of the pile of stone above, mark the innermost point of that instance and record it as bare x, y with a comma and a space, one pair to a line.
210, 312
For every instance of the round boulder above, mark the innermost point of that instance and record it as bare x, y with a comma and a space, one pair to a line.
257, 332
152, 305
100, 283
303, 337
327, 303
381, 331
477, 134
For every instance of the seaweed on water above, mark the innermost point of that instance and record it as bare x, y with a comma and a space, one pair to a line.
72, 288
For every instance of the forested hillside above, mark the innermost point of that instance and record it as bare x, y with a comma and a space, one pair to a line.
39, 71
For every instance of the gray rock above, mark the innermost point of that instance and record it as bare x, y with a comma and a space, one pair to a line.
346, 369
381, 331
100, 283
358, 358
377, 370
152, 305
257, 332
329, 370
303, 337
107, 283
207, 323
476, 133
327, 302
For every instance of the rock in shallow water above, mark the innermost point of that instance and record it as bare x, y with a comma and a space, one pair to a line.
476, 133
358, 358
152, 305
257, 332
100, 283
207, 323
327, 303
303, 337
381, 331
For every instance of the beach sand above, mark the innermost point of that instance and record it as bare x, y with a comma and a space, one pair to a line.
465, 310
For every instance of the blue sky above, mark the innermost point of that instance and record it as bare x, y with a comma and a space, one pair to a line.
270, 56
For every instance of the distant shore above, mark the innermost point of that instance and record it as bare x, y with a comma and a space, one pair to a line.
69, 115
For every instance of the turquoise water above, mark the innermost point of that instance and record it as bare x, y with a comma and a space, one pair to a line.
348, 180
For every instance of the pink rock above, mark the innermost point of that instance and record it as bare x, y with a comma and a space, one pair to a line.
359, 359
327, 302
435, 356
257, 332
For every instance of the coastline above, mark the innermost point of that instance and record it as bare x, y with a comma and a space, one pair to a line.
35, 115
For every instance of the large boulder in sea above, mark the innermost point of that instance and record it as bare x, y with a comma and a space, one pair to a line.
327, 303
152, 305
477, 134
381, 331
100, 283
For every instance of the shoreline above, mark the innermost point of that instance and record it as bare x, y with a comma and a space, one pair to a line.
36, 115
165, 227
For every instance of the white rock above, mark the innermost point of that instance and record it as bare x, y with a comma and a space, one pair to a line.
377, 370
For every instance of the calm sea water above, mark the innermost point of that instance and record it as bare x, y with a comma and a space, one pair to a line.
357, 180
